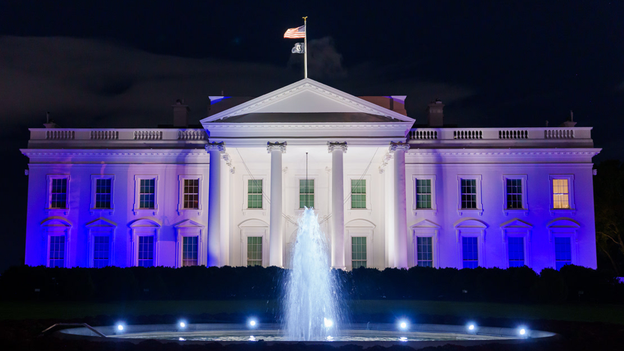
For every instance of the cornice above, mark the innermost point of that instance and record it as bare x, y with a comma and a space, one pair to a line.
150, 153
587, 152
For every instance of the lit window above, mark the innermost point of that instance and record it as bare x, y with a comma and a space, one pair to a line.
101, 251
470, 252
563, 252
147, 192
468, 193
189, 251
424, 252
306, 193
358, 193
515, 246
254, 251
514, 194
423, 193
191, 194
103, 192
254, 193
57, 251
146, 251
58, 193
561, 198
358, 252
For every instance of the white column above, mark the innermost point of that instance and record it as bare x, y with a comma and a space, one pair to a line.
337, 198
275, 219
214, 204
400, 208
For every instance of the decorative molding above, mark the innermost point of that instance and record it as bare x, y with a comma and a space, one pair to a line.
276, 146
384, 162
398, 146
331, 146
213, 146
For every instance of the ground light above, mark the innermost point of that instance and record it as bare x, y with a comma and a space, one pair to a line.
471, 327
523, 331
182, 324
403, 324
120, 327
252, 323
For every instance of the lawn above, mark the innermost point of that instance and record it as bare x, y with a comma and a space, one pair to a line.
16, 310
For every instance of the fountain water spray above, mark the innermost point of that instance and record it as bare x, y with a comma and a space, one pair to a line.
310, 310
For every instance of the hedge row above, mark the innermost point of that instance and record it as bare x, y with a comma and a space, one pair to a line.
571, 284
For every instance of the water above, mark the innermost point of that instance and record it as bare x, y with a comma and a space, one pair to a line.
311, 311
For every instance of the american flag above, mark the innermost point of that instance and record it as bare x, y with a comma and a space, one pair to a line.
295, 33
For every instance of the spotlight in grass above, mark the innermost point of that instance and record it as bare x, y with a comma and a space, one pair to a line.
328, 323
471, 327
252, 322
182, 324
403, 324
403, 339
522, 331
120, 327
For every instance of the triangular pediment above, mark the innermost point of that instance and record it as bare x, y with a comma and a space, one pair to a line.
425, 223
101, 222
516, 223
188, 223
306, 101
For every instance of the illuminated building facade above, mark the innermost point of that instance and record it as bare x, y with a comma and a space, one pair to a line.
386, 194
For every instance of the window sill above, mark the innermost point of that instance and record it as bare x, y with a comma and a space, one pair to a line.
189, 210
516, 211
256, 211
108, 211
145, 211
425, 211
562, 211
57, 211
472, 211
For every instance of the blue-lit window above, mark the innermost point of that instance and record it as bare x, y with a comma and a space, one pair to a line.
58, 193
101, 251
563, 252
514, 194
103, 193
515, 246
468, 193
423, 193
424, 252
189, 251
146, 251
470, 252
147, 193
57, 251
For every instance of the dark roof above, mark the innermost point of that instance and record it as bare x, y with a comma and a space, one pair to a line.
323, 117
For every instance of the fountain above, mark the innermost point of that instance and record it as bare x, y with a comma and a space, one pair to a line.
310, 306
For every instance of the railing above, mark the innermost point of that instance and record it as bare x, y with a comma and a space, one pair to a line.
476, 134
147, 135
118, 135
60, 134
192, 134
104, 135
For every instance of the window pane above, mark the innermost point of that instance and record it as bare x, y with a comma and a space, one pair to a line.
306, 193
189, 251
516, 251
358, 193
101, 251
423, 193
146, 251
514, 193
563, 252
59, 193
147, 193
191, 194
57, 251
254, 193
561, 193
254, 251
470, 252
103, 193
468, 193
424, 253
358, 252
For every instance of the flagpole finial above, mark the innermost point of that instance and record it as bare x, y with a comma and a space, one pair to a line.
305, 18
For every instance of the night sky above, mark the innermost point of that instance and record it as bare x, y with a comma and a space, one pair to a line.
124, 63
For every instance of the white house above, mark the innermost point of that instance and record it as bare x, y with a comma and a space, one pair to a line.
387, 194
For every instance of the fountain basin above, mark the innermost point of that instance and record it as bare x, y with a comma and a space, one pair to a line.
365, 335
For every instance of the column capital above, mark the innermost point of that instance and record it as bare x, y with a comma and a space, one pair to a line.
399, 146
276, 146
215, 147
331, 146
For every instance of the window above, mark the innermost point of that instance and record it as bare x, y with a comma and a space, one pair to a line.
561, 198
563, 252
101, 251
468, 193
58, 193
358, 193
470, 252
514, 194
306, 193
423, 193
189, 251
424, 252
254, 193
146, 251
103, 192
254, 251
57, 251
147, 192
515, 245
358, 252
191, 194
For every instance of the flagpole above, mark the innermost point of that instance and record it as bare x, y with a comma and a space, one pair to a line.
305, 47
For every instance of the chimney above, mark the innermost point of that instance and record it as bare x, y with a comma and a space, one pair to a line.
570, 122
180, 114
49, 122
435, 113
